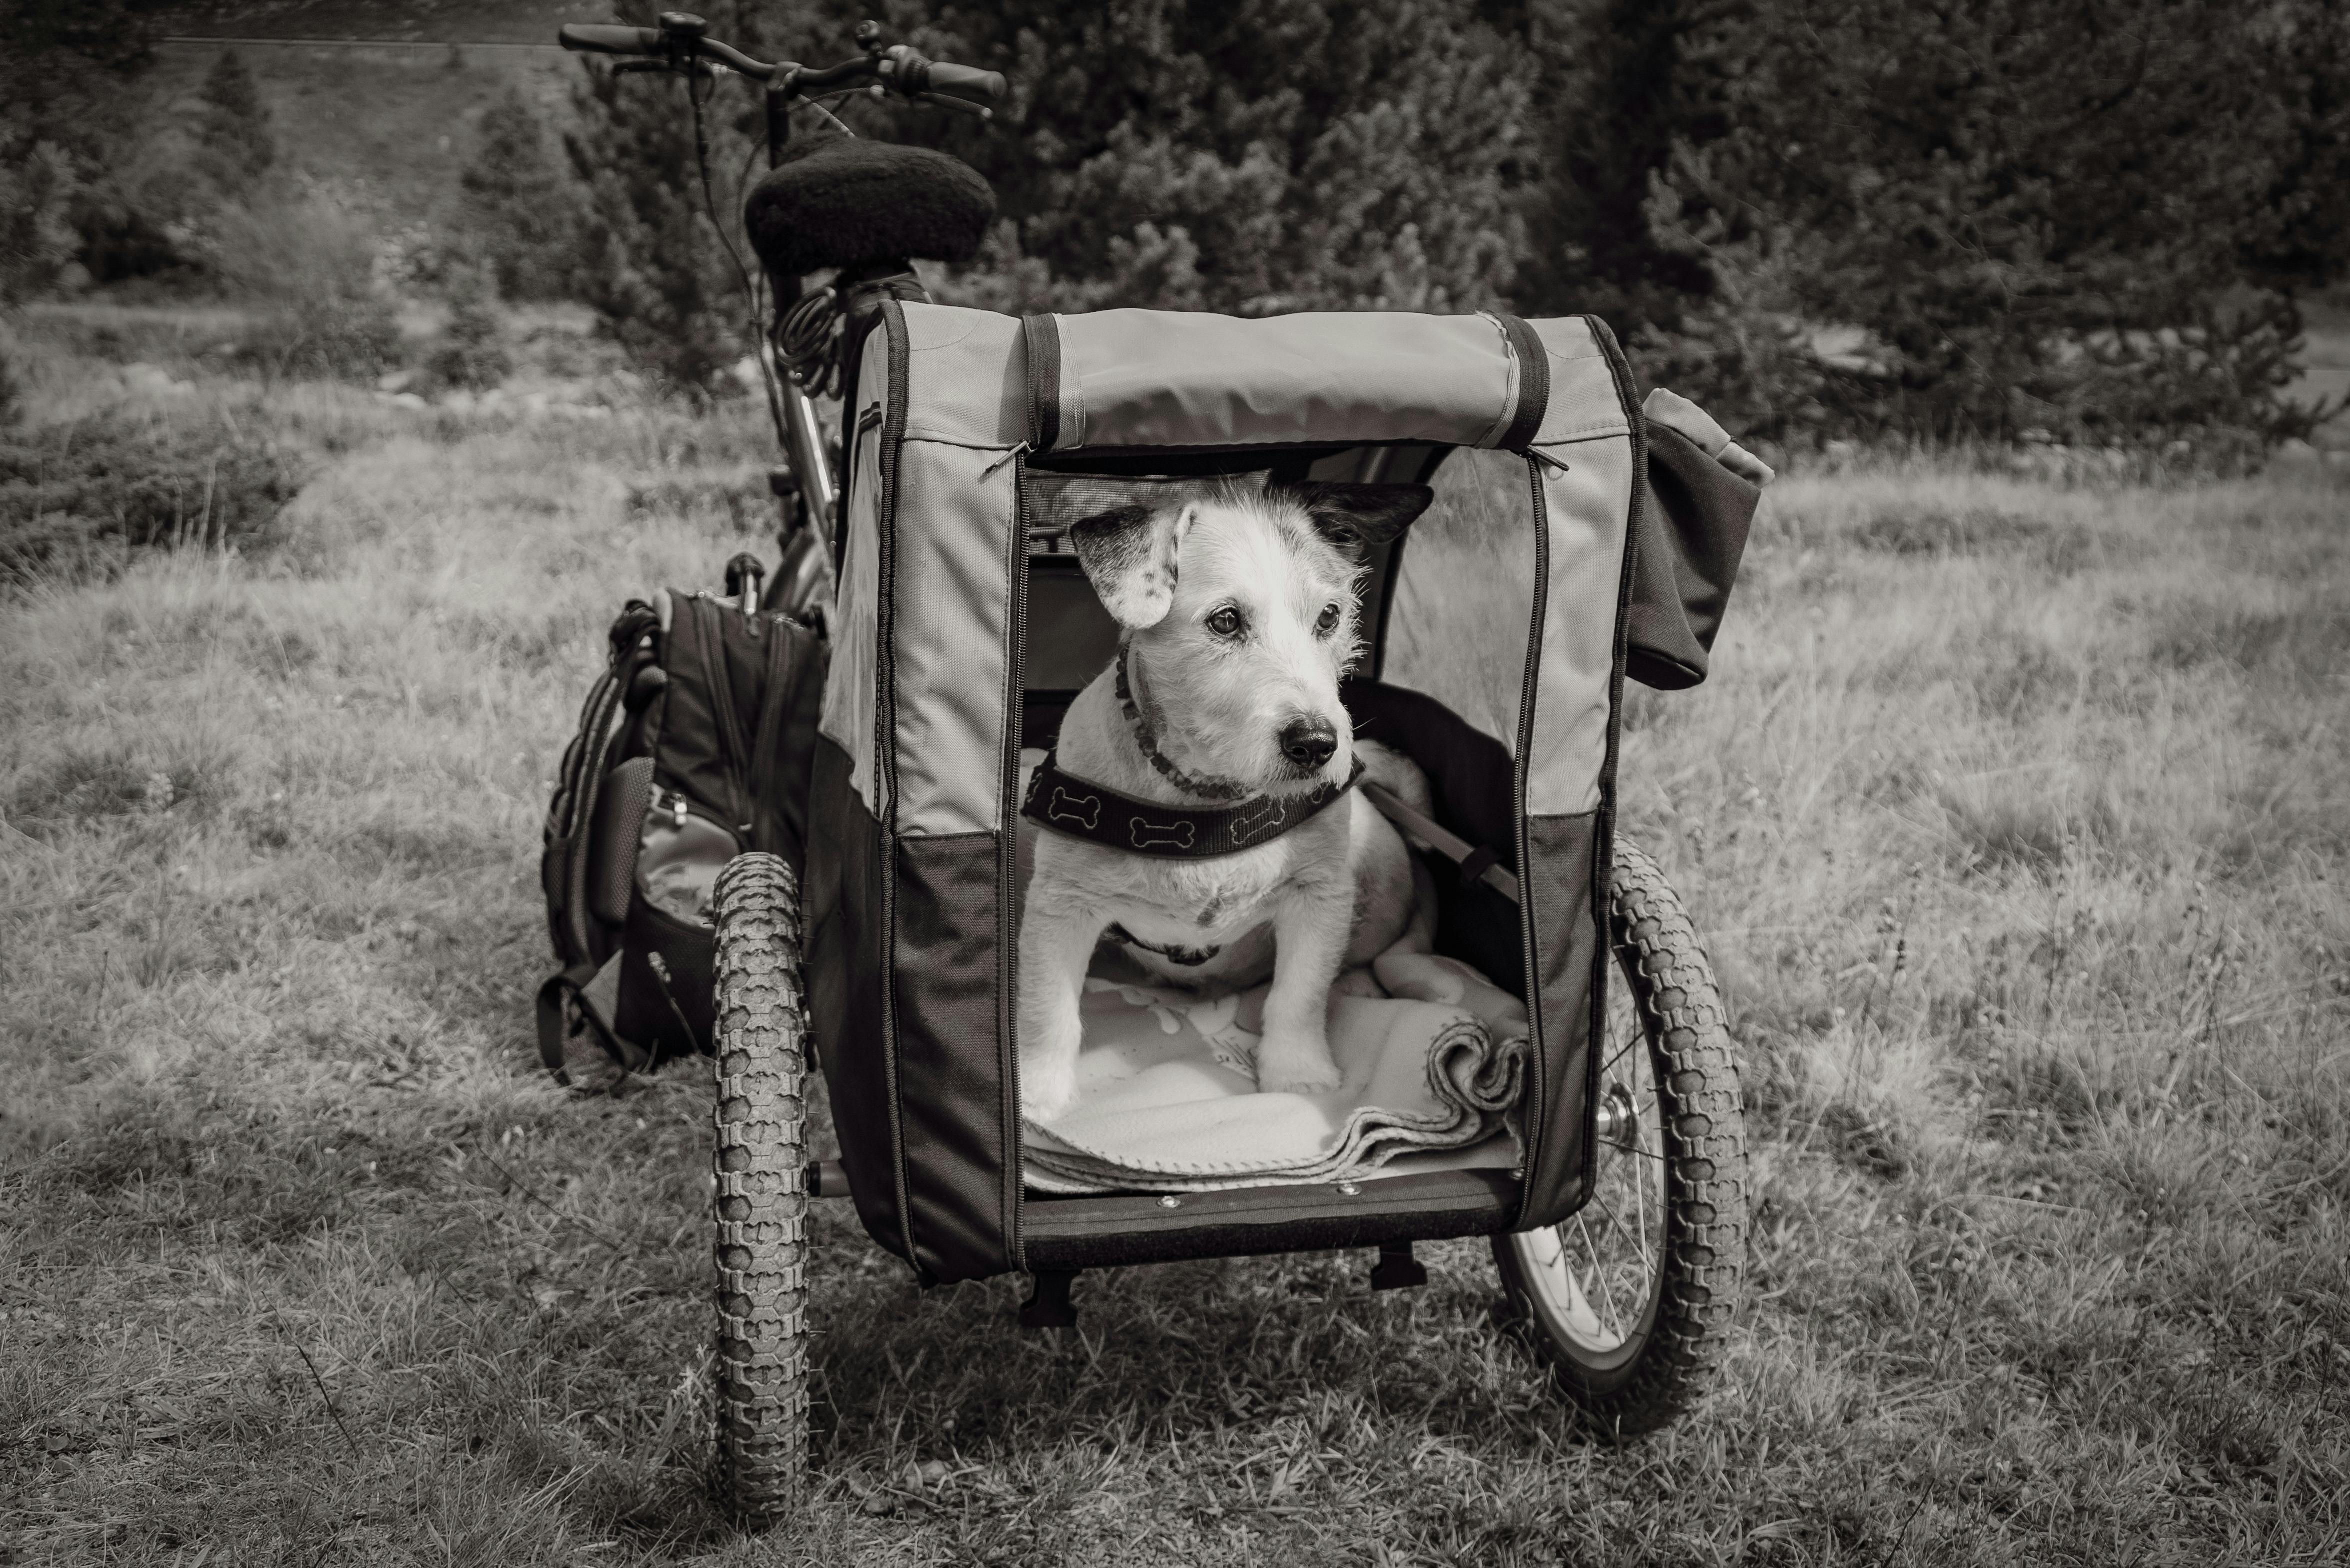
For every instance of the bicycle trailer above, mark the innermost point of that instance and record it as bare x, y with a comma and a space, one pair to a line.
1576, 535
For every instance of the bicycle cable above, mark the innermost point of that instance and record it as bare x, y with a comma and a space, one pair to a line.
750, 293
809, 342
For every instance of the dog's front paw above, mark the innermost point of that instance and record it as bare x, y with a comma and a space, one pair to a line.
1045, 1093
1295, 1064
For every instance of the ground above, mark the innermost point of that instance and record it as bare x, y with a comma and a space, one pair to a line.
2012, 816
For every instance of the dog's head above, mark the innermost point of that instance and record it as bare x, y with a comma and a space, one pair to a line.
1239, 605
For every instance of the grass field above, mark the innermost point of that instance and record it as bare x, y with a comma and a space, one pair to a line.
2014, 815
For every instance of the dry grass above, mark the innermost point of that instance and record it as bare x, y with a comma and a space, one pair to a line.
2015, 816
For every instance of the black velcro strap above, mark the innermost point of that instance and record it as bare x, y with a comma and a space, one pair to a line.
1044, 335
1533, 384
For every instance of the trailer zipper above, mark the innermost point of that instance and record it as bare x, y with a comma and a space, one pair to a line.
1528, 700
1007, 872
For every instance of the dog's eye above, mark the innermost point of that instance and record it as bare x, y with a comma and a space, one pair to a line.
1225, 621
1329, 621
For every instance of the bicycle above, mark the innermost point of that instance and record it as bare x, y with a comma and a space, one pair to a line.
1627, 1308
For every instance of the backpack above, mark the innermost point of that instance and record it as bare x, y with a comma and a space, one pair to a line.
693, 747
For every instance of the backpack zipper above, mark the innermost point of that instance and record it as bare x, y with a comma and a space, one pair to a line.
676, 805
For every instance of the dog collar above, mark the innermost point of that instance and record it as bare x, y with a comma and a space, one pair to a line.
1146, 736
1079, 808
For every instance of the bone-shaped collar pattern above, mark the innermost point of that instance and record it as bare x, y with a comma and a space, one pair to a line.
1078, 808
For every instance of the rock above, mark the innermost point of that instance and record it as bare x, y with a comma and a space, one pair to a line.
144, 378
395, 380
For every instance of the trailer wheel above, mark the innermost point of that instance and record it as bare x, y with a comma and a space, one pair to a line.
1628, 1300
761, 1369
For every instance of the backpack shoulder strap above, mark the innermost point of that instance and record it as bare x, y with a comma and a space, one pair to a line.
568, 993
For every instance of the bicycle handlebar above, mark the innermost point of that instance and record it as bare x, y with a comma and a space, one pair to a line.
682, 39
584, 38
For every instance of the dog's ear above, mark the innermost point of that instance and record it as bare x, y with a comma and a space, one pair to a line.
1356, 517
1128, 554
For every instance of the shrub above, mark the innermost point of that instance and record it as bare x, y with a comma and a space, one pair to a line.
12, 395
473, 352
40, 185
83, 497
309, 266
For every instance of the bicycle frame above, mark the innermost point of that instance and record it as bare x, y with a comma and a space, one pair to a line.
681, 44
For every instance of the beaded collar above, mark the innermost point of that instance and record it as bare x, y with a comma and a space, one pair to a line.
1146, 735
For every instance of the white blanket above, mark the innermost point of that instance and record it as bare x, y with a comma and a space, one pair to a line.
1433, 1058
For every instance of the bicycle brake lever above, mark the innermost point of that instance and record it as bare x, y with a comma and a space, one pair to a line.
965, 105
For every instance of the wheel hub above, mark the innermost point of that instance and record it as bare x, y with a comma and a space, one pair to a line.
1617, 1121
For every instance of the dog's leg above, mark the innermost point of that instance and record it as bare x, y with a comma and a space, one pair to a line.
1056, 943
1310, 927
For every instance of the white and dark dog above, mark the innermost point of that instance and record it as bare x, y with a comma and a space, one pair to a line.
1237, 611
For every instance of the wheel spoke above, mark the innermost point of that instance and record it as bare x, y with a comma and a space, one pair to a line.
1614, 1321
1640, 1240
1640, 1212
1638, 1037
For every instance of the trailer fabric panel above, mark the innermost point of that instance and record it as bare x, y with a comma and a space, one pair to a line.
1170, 378
1584, 400
843, 934
1586, 492
1568, 981
952, 603
967, 373
848, 717
952, 1065
1462, 596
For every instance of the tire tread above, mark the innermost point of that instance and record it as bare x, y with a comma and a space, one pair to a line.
761, 1206
1705, 1174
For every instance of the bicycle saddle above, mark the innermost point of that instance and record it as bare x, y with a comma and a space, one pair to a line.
847, 201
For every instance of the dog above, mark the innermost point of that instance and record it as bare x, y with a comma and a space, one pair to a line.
1237, 611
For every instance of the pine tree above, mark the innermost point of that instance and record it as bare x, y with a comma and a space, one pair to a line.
63, 65
2021, 217
648, 258
1623, 90
232, 131
1251, 158
523, 215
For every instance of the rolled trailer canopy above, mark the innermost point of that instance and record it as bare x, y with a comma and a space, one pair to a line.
910, 899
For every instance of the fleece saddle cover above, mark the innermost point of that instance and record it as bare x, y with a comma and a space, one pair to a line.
1433, 1058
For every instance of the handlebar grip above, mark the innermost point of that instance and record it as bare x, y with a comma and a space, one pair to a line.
588, 39
963, 82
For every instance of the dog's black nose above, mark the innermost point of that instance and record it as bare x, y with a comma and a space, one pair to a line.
1308, 741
